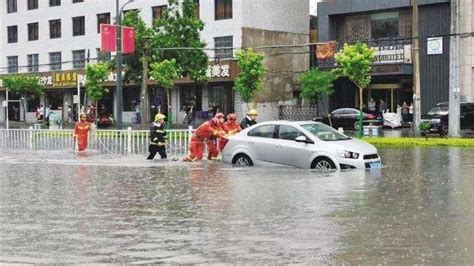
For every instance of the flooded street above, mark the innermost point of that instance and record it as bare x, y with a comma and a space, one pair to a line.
57, 207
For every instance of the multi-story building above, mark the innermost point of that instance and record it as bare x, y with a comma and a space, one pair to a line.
387, 27
52, 39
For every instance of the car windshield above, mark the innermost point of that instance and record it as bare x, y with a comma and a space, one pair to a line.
439, 110
324, 132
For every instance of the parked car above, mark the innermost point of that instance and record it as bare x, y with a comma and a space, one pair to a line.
105, 120
307, 144
349, 118
438, 117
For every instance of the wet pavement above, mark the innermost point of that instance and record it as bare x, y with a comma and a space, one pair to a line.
63, 208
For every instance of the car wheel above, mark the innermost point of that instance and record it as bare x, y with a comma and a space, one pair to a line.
242, 160
323, 163
444, 129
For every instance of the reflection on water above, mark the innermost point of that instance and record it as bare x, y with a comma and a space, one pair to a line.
99, 209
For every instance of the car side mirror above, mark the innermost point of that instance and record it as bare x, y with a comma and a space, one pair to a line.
303, 139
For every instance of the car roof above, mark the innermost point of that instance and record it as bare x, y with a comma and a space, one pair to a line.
288, 123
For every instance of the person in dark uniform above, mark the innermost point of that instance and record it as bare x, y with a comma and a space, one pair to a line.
250, 120
158, 138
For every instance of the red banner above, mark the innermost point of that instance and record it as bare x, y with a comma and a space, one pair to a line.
325, 50
108, 38
128, 40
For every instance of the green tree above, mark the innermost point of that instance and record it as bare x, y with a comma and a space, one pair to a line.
25, 86
165, 73
355, 63
316, 84
250, 79
96, 76
181, 28
137, 64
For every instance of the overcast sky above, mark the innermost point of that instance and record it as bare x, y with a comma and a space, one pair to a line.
314, 6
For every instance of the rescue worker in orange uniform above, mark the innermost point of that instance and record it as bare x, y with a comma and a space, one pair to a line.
81, 133
204, 135
231, 127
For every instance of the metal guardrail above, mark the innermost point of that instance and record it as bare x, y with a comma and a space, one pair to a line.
105, 141
297, 113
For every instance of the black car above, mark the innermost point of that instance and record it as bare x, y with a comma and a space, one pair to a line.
349, 118
438, 118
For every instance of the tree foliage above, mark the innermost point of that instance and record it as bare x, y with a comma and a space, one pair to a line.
96, 76
165, 73
23, 85
250, 79
355, 62
316, 84
145, 37
180, 27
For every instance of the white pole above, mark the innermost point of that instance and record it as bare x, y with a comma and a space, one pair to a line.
79, 98
7, 121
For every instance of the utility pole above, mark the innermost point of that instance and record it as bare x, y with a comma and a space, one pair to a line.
145, 99
454, 99
416, 69
118, 60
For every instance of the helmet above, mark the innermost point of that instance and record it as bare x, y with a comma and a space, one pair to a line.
252, 112
231, 116
159, 117
219, 115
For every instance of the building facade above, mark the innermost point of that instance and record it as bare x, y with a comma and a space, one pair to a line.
53, 39
386, 26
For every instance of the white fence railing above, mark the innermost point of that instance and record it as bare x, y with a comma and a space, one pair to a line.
106, 141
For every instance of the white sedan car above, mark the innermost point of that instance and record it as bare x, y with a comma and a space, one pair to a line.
299, 144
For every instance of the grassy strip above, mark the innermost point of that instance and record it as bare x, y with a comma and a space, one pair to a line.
422, 142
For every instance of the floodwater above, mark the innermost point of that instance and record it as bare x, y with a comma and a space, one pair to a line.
57, 207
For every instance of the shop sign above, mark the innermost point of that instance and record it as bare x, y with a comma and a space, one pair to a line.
218, 71
59, 80
435, 46
397, 53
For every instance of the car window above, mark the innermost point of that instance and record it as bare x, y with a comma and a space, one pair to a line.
468, 108
338, 112
264, 131
324, 132
439, 110
289, 133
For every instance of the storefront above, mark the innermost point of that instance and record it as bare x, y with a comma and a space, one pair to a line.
217, 95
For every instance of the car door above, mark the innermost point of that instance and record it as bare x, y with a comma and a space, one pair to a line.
289, 151
337, 118
261, 142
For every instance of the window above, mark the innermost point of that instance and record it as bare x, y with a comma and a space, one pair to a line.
55, 29
54, 2
223, 42
32, 4
158, 12
223, 9
33, 63
78, 59
78, 26
103, 18
55, 61
11, 6
33, 31
12, 34
77, 1
385, 25
12, 64
103, 56
265, 131
289, 133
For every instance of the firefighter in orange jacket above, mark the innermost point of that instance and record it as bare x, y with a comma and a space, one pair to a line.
206, 134
81, 132
231, 127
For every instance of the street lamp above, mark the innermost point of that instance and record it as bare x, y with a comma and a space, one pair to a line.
118, 23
